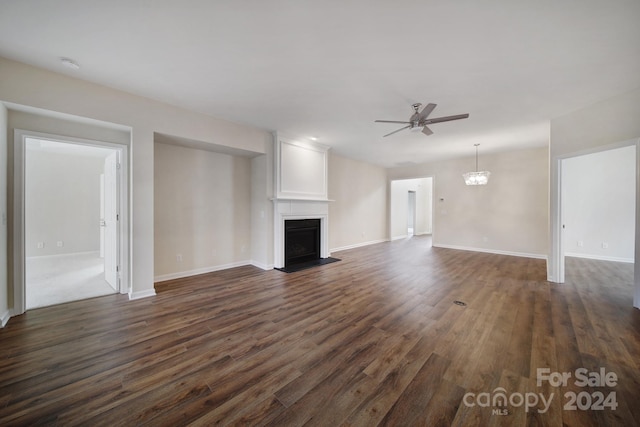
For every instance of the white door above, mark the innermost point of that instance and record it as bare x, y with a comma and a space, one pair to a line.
102, 216
411, 214
110, 220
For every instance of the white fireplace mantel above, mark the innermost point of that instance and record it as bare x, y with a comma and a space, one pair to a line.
301, 190
299, 209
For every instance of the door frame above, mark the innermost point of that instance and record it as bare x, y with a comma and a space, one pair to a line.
107, 216
556, 262
18, 232
390, 216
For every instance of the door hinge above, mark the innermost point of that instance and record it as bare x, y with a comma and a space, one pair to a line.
117, 268
117, 217
118, 166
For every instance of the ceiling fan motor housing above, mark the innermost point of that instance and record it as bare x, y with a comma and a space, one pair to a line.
418, 121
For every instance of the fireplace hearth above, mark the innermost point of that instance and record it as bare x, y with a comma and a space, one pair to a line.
303, 245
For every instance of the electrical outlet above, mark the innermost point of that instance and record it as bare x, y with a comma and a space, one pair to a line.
605, 245
40, 245
59, 243
179, 257
580, 243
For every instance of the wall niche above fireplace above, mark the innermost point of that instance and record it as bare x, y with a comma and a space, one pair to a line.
301, 170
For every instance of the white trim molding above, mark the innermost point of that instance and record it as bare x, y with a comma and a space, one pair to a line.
492, 251
301, 169
265, 267
125, 235
359, 245
142, 294
197, 271
4, 318
299, 209
599, 257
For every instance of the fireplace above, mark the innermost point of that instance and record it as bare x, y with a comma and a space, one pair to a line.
300, 199
301, 241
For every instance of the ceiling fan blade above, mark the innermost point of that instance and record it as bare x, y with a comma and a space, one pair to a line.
427, 131
446, 119
395, 131
426, 111
391, 121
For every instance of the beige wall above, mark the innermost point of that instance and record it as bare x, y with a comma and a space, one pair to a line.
599, 204
62, 202
608, 122
61, 125
30, 86
202, 205
262, 211
509, 215
358, 214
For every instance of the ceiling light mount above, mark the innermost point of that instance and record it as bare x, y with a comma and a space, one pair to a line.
70, 63
476, 178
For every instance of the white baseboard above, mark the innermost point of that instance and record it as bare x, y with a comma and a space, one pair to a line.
65, 254
5, 318
142, 294
261, 265
492, 251
181, 274
404, 236
600, 257
358, 245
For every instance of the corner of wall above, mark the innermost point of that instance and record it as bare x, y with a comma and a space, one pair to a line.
4, 318
141, 294
4, 277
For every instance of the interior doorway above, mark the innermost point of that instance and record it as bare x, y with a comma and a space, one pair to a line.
598, 206
69, 244
411, 207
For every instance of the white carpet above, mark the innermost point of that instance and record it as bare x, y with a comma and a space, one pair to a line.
62, 278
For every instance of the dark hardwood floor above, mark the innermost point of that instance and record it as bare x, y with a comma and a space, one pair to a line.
372, 340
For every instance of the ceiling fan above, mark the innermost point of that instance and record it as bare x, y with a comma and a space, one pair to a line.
419, 121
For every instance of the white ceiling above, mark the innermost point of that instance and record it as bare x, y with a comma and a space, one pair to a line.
330, 68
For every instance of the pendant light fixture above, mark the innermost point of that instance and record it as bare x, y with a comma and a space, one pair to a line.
476, 178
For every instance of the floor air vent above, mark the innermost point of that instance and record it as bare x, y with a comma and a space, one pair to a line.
460, 303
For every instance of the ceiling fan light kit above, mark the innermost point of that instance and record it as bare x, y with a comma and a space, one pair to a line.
477, 177
419, 120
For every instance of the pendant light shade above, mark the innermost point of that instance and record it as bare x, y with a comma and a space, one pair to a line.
476, 178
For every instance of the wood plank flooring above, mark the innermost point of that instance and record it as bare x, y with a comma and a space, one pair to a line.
372, 340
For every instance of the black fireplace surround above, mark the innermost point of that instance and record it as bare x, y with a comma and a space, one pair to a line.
301, 241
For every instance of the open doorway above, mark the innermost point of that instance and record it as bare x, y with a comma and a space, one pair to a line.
598, 201
69, 239
411, 207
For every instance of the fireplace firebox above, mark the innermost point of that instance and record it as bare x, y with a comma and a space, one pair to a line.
302, 241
